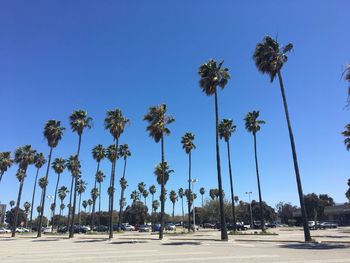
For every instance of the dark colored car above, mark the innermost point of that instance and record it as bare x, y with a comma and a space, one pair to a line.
62, 229
156, 228
101, 228
325, 225
208, 225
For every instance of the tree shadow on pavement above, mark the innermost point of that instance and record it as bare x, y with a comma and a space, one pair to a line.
91, 240
127, 242
181, 243
45, 240
315, 246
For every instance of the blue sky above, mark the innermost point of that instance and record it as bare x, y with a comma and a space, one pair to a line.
58, 56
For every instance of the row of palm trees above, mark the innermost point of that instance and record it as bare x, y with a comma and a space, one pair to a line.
269, 58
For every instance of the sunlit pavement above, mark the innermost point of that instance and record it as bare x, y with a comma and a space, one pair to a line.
200, 247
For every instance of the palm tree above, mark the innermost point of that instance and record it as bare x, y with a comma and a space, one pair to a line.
98, 154
173, 199
252, 124
42, 182
123, 152
134, 196
145, 195
141, 187
152, 190
39, 161
188, 145
73, 165
269, 58
158, 121
202, 192
346, 75
94, 194
99, 178
181, 195
346, 134
62, 193
212, 76
115, 123
81, 187
79, 121
226, 128
53, 132
5, 162
85, 204
89, 201
155, 205
62, 207
24, 156
213, 193
58, 165
12, 203
26, 209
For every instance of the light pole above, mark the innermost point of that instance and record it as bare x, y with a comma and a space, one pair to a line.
250, 209
193, 181
50, 197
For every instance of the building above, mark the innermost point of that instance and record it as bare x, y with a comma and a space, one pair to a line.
2, 213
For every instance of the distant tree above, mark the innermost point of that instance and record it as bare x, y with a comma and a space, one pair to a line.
347, 194
315, 205
285, 211
10, 217
74, 166
58, 165
135, 196
85, 204
81, 187
89, 201
173, 199
136, 213
27, 207
5, 162
62, 193
202, 192
99, 178
145, 194
181, 195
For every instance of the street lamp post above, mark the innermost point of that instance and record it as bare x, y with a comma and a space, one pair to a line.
50, 197
193, 181
250, 209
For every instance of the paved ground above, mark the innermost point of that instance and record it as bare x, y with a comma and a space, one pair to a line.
201, 247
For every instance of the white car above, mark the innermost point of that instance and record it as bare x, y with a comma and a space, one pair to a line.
47, 230
4, 230
128, 227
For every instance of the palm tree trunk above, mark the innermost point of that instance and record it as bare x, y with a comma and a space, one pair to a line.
222, 212
54, 201
112, 196
1, 174
231, 185
173, 211
44, 194
202, 201
189, 191
121, 199
79, 212
307, 235
183, 213
70, 202
259, 189
17, 206
99, 204
71, 230
94, 200
152, 213
162, 192
33, 196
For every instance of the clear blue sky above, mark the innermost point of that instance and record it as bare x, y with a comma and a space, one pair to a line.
58, 56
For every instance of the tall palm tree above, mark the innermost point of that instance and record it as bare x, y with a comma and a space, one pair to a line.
202, 192
24, 156
53, 132
94, 194
181, 195
79, 121
158, 120
89, 201
188, 145
42, 182
98, 154
252, 124
226, 128
5, 162
99, 178
62, 193
152, 190
58, 165
145, 195
141, 187
269, 58
81, 187
73, 165
27, 207
123, 152
39, 161
173, 199
115, 123
85, 204
211, 77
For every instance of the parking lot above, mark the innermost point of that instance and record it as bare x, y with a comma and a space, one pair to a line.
202, 246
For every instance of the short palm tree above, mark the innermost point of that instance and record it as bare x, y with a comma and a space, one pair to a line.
58, 165
81, 187
73, 166
42, 182
188, 146
158, 120
269, 58
252, 124
152, 190
181, 195
213, 193
24, 156
213, 76
145, 194
27, 207
85, 204
115, 123
79, 121
141, 187
98, 154
202, 192
39, 161
53, 132
173, 199
123, 152
89, 201
62, 207
62, 193
155, 205
94, 194
5, 162
226, 128
100, 176
134, 196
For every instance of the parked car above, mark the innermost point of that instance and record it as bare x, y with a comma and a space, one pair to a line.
62, 229
313, 225
128, 227
47, 230
4, 230
101, 228
156, 227
208, 225
325, 225
144, 228
241, 227
170, 227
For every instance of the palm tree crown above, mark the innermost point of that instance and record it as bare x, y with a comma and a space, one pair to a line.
58, 165
5, 161
62, 192
173, 196
115, 122
269, 57
111, 153
98, 153
346, 134
100, 176
213, 75
123, 151
81, 186
187, 142
24, 156
141, 187
158, 171
73, 165
202, 191
39, 160
226, 128
79, 120
252, 124
43, 182
53, 132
